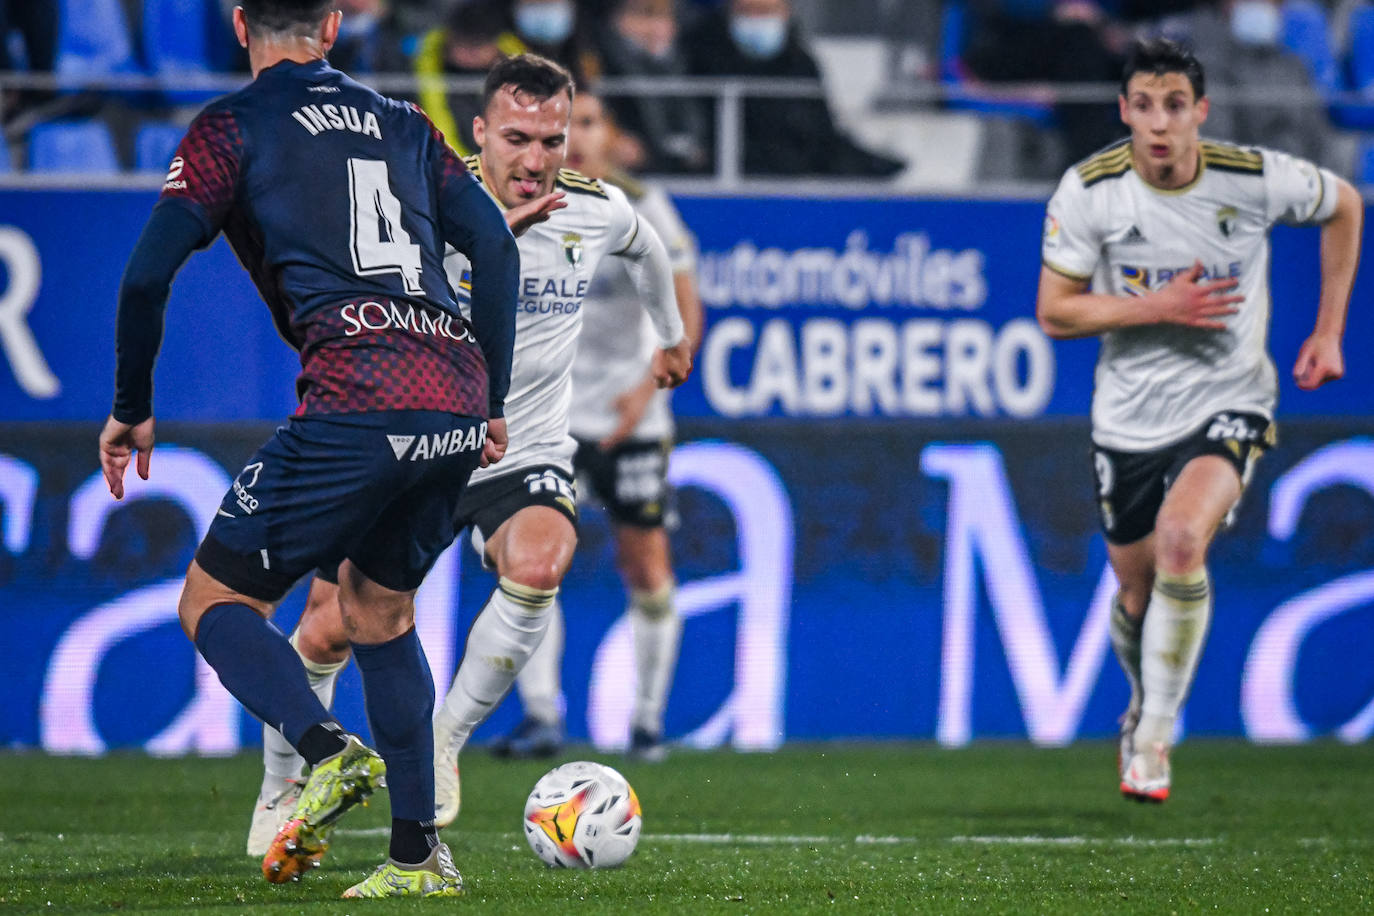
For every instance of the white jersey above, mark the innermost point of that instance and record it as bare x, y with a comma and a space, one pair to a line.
1155, 384
609, 361
557, 260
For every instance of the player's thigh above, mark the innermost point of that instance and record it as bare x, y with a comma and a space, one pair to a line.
202, 591
499, 506
643, 556
399, 546
1198, 501
534, 547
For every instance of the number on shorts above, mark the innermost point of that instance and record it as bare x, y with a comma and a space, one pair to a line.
380, 244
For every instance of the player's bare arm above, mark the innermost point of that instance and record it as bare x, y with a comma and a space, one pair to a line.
1066, 308
1320, 359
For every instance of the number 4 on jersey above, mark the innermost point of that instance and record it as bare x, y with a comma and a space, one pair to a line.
380, 244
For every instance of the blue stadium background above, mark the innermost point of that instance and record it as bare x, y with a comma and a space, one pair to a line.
887, 523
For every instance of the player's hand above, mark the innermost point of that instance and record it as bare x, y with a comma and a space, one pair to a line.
629, 410
673, 364
1184, 300
118, 443
534, 212
1319, 362
494, 449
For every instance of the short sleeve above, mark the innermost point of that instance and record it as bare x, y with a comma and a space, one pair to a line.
1296, 191
622, 223
658, 209
204, 173
1069, 244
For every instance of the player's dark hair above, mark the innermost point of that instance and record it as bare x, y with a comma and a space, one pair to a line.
1160, 56
527, 74
284, 16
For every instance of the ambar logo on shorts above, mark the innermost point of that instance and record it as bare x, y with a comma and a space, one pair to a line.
438, 445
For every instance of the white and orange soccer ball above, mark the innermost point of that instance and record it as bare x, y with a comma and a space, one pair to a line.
582, 815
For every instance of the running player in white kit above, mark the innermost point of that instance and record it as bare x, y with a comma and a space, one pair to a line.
1160, 246
623, 425
523, 512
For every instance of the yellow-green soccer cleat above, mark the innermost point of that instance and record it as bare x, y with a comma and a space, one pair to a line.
435, 877
336, 785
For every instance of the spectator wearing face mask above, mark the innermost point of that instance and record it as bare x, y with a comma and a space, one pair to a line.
782, 136
1239, 44
661, 134
550, 28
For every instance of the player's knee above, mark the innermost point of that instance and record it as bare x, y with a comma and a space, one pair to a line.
655, 604
540, 567
1180, 544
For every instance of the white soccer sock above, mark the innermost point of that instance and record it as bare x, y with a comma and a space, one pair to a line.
657, 631
503, 637
1172, 638
279, 759
539, 684
1125, 632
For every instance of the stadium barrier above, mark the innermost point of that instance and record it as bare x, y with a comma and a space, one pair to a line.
887, 525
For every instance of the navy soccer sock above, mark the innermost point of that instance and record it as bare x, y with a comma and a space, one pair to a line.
399, 694
258, 666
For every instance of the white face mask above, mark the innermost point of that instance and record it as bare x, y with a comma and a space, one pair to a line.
761, 37
1256, 23
545, 23
357, 24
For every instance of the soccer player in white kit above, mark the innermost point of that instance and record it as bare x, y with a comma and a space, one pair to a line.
623, 425
1160, 246
523, 512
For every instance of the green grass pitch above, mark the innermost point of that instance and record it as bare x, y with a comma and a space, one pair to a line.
882, 828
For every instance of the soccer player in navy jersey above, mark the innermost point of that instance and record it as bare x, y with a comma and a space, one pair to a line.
339, 203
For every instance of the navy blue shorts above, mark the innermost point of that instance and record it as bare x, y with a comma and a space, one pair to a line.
378, 489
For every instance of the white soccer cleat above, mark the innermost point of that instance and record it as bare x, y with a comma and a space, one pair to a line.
275, 804
447, 791
1146, 777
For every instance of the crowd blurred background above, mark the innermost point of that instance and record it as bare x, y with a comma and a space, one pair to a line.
910, 94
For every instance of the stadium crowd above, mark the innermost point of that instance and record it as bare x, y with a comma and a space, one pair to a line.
1033, 75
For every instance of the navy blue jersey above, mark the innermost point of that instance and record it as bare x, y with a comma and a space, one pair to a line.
338, 202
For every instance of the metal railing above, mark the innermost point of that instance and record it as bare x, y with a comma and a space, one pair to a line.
727, 95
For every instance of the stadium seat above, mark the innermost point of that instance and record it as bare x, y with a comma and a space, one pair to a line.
176, 43
154, 145
94, 39
1306, 33
72, 146
1361, 29
1364, 163
176, 36
1360, 70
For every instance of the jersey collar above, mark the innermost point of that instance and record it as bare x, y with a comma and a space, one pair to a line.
1172, 192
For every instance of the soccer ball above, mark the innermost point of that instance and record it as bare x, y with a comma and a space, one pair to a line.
582, 815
